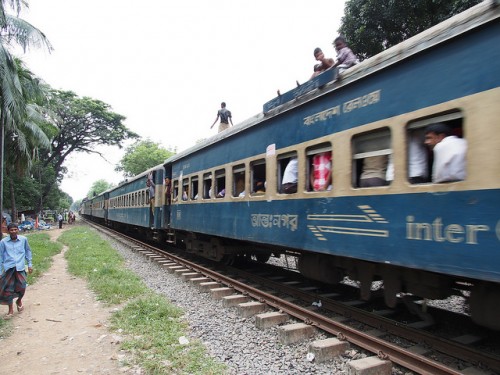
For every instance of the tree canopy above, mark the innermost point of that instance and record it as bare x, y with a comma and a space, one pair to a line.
142, 155
99, 187
82, 124
371, 26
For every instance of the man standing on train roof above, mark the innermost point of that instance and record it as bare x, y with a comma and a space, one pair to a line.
225, 117
449, 153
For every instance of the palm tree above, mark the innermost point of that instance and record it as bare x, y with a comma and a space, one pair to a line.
13, 106
30, 134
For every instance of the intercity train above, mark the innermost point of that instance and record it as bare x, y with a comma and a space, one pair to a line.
223, 198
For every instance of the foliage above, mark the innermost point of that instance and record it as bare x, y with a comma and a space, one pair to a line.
98, 187
371, 26
28, 190
82, 124
141, 156
19, 95
75, 206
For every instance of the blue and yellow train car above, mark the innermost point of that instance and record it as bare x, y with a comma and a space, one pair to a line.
134, 203
419, 237
98, 207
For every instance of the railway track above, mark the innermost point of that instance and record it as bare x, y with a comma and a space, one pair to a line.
373, 331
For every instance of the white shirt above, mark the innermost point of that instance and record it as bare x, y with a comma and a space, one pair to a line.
449, 160
291, 172
417, 159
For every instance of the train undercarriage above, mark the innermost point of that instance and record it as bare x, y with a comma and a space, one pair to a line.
483, 297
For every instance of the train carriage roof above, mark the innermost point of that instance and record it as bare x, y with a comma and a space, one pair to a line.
478, 15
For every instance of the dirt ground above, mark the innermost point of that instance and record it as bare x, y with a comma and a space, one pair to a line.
62, 330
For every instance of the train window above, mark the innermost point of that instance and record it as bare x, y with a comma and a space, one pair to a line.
429, 162
287, 173
370, 158
185, 189
194, 187
207, 185
258, 176
220, 183
175, 191
239, 181
319, 168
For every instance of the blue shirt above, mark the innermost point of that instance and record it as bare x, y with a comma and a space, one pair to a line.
13, 253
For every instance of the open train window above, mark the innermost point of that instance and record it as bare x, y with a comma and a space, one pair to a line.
258, 176
319, 168
220, 183
287, 173
175, 190
436, 149
194, 188
185, 189
207, 185
371, 152
239, 181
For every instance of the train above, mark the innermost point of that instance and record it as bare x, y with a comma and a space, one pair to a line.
223, 198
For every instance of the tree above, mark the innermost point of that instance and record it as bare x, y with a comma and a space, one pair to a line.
30, 133
82, 124
371, 26
141, 156
13, 31
99, 187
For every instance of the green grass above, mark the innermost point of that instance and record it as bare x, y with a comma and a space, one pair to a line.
43, 250
151, 325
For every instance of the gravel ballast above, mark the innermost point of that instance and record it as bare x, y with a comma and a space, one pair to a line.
229, 338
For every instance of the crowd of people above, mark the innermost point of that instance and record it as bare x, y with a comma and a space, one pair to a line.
448, 163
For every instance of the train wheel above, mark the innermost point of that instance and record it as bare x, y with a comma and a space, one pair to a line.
228, 259
484, 305
392, 286
217, 250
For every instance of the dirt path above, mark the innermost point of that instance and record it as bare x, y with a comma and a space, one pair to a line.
62, 329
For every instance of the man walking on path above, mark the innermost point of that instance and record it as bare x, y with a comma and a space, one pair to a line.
14, 250
60, 220
61, 332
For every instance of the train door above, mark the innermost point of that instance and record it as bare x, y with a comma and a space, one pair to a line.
167, 196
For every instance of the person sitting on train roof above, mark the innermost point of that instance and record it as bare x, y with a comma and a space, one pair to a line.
321, 171
345, 57
324, 62
374, 170
225, 117
449, 153
290, 177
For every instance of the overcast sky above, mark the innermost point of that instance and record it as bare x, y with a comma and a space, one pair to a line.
166, 66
